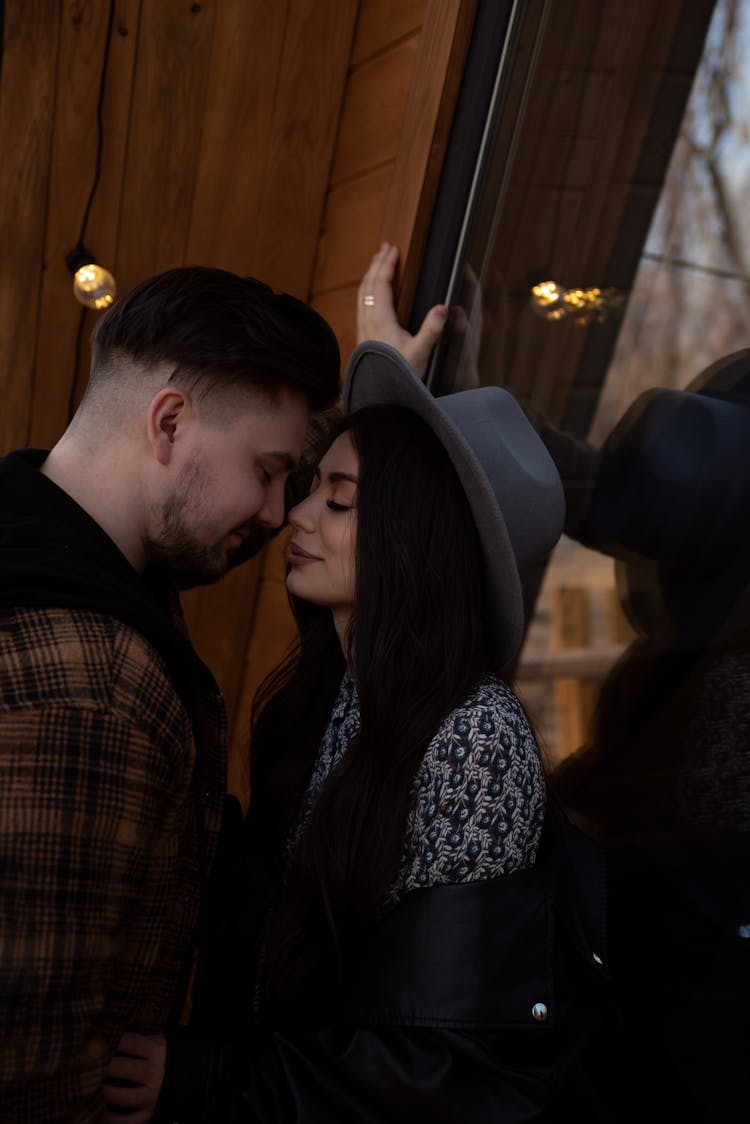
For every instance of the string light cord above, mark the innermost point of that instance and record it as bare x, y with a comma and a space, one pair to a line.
89, 202
99, 123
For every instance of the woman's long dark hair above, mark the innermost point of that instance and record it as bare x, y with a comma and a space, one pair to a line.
418, 643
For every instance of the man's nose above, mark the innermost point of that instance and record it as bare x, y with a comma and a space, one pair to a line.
272, 512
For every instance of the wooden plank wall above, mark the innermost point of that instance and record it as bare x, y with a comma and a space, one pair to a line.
282, 140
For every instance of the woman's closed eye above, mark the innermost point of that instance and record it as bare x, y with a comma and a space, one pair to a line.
334, 506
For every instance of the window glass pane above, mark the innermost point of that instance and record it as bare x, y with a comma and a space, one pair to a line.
606, 254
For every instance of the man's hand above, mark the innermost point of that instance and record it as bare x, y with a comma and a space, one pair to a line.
133, 1079
376, 316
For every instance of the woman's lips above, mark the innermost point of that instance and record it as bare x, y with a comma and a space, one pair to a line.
300, 557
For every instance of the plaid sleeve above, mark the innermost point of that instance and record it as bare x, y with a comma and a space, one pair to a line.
91, 799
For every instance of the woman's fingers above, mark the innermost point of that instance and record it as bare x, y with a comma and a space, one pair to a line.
420, 346
150, 1046
376, 314
142, 1070
140, 1116
133, 1078
128, 1096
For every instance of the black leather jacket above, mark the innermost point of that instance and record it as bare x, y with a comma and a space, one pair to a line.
487, 1001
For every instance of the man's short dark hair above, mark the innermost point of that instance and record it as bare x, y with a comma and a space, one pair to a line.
219, 329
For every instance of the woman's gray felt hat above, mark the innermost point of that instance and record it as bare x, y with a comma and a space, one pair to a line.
509, 478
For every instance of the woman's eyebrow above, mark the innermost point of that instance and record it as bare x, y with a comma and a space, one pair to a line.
335, 477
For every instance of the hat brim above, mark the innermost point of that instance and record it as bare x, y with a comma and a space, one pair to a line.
378, 375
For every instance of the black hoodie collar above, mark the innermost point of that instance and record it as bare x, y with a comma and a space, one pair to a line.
54, 555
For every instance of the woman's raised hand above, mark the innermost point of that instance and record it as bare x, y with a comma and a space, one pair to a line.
376, 315
133, 1079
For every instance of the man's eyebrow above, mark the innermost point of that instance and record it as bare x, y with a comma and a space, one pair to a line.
285, 460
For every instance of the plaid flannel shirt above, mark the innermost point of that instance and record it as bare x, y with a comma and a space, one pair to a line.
101, 834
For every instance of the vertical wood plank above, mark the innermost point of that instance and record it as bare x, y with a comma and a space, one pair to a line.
346, 244
27, 92
337, 306
271, 119
273, 634
236, 135
307, 110
619, 628
373, 115
575, 698
169, 95
383, 22
424, 138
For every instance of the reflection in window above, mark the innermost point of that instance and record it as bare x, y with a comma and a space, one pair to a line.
617, 180
691, 294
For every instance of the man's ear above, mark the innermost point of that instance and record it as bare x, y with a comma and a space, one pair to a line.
168, 414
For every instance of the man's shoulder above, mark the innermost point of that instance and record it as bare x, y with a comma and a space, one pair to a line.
42, 630
80, 657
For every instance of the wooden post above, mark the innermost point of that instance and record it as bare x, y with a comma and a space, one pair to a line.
575, 698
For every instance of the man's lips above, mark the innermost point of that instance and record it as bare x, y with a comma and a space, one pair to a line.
299, 557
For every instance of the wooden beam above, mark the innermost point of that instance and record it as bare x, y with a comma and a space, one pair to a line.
571, 663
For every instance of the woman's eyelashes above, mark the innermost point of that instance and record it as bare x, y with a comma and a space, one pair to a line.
339, 506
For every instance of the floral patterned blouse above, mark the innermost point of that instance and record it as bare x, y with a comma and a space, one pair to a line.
478, 798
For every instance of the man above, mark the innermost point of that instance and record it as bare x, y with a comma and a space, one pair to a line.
112, 732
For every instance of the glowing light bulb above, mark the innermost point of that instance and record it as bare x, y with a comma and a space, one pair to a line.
93, 285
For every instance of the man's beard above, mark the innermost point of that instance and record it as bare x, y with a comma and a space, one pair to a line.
177, 552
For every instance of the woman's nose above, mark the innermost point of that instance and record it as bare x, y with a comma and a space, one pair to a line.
302, 515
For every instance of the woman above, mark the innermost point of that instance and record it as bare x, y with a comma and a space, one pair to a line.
397, 933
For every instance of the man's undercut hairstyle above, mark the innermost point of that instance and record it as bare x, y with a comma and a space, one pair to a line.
221, 330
